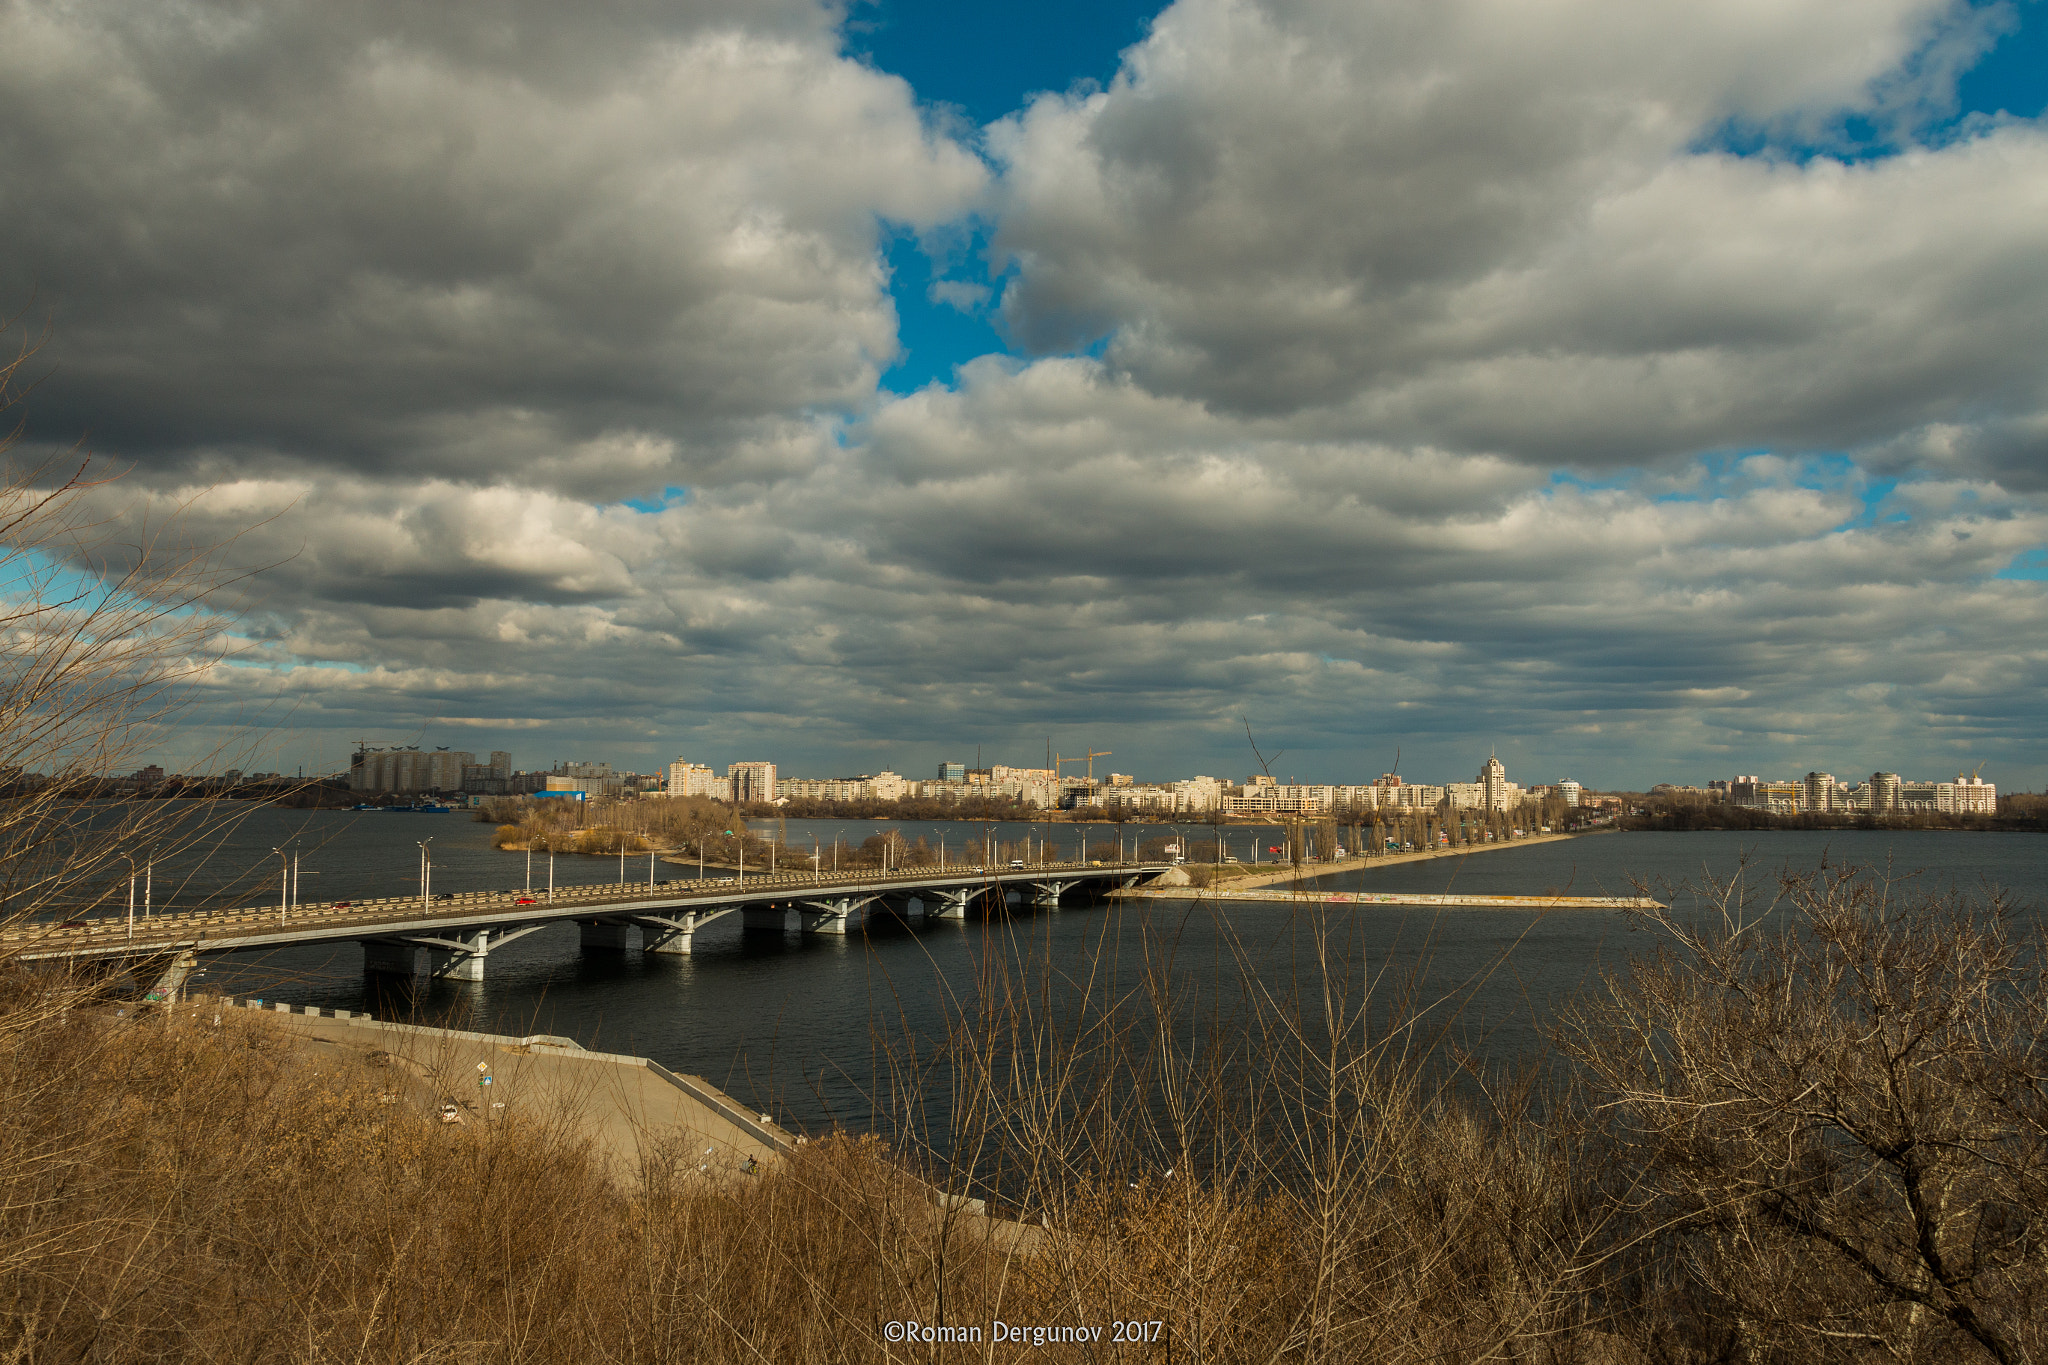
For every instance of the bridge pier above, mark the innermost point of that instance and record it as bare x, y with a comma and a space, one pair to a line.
951, 902
170, 985
389, 957
1048, 893
839, 915
464, 963
458, 956
603, 935
774, 917
660, 934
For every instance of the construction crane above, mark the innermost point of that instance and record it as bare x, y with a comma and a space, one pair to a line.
1059, 763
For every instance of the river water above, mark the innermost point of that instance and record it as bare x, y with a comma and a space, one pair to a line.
799, 1023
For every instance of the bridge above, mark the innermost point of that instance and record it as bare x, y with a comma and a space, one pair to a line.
457, 932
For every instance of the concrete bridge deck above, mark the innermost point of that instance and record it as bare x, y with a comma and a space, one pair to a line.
457, 931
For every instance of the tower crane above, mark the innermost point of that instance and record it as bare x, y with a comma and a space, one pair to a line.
1059, 763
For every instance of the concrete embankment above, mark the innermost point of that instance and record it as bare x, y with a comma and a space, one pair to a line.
626, 1104
629, 1106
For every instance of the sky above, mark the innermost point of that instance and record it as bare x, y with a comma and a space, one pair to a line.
1643, 393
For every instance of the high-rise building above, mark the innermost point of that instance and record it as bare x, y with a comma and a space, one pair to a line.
1570, 791
1970, 795
1496, 790
952, 772
408, 770
752, 781
489, 779
1884, 793
1819, 794
693, 779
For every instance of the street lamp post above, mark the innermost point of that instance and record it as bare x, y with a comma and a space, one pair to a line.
284, 883
426, 869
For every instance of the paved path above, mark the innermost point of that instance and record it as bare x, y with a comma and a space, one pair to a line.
1287, 874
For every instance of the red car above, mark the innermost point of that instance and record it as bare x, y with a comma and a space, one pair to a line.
343, 905
526, 900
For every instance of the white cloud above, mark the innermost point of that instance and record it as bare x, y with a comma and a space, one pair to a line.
1489, 226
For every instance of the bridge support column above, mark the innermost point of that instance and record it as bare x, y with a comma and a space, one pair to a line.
457, 956
951, 903
839, 915
774, 917
460, 964
170, 985
603, 936
386, 957
1046, 895
666, 936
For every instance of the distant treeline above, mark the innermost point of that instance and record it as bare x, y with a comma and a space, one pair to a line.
2021, 811
920, 808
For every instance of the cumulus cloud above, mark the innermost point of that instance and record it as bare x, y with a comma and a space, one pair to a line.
1502, 226
1135, 566
501, 243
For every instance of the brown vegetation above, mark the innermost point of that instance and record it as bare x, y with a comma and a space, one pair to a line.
1813, 1133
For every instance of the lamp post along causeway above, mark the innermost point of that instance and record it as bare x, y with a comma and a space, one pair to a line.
284, 883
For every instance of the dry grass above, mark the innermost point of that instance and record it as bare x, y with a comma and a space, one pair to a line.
1307, 1174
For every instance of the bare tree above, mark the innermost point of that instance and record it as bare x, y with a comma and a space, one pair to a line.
105, 618
1838, 1097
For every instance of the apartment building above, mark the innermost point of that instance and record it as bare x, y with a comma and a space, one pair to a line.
752, 781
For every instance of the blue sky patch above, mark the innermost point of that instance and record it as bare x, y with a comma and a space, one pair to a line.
670, 497
988, 60
2029, 565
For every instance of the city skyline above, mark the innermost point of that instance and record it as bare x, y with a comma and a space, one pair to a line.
374, 766
1645, 393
